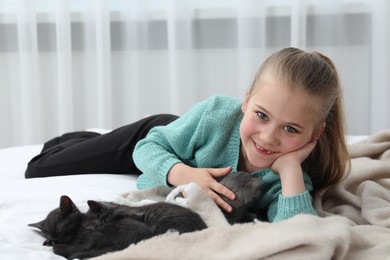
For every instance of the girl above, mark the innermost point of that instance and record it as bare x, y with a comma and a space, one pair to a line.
288, 130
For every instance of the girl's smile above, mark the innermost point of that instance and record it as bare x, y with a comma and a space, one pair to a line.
263, 151
278, 119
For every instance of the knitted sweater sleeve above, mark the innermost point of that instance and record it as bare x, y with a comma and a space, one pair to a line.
164, 146
281, 207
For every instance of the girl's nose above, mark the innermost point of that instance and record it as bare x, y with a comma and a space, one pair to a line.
269, 136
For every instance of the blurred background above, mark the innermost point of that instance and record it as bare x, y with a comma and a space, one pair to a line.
68, 65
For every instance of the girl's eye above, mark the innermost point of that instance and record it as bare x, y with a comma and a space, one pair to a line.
290, 129
262, 116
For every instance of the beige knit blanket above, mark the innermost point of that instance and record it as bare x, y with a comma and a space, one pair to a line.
354, 222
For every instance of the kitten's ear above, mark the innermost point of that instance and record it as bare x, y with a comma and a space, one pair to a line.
38, 225
66, 205
95, 206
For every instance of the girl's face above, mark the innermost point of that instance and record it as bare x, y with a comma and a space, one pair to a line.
278, 119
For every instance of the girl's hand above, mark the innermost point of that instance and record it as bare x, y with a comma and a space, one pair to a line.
204, 177
289, 168
294, 158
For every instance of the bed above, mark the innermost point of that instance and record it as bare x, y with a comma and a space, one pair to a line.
354, 220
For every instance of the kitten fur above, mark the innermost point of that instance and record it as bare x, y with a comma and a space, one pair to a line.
247, 190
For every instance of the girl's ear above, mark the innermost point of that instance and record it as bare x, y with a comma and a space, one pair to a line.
245, 102
319, 131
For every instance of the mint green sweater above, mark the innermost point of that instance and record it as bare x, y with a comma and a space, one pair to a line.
208, 136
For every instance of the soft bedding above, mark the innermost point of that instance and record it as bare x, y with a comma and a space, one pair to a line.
24, 201
354, 222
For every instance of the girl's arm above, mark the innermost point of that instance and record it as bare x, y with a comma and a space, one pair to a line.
167, 146
289, 168
294, 197
280, 207
166, 156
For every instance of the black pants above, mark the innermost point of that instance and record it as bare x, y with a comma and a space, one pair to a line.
89, 152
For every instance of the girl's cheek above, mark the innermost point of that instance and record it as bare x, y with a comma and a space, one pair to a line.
247, 127
292, 145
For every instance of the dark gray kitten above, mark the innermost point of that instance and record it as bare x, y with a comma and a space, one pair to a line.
247, 190
108, 227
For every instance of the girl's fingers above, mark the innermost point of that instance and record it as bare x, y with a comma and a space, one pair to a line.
221, 189
307, 149
220, 202
216, 189
219, 172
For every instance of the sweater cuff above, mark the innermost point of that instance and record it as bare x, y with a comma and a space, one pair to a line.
157, 176
293, 205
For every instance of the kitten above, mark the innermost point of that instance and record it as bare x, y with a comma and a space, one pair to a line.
247, 190
61, 225
102, 233
108, 227
160, 216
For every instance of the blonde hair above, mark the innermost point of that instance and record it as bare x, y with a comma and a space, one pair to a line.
316, 74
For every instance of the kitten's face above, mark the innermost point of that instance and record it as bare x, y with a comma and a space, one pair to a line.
61, 224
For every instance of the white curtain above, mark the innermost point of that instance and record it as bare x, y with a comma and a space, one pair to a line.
68, 65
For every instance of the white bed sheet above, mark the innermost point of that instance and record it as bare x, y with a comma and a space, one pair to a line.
24, 201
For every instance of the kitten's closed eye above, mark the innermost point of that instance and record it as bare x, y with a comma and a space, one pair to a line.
48, 243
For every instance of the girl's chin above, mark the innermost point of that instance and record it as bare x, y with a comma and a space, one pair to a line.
259, 161
262, 165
